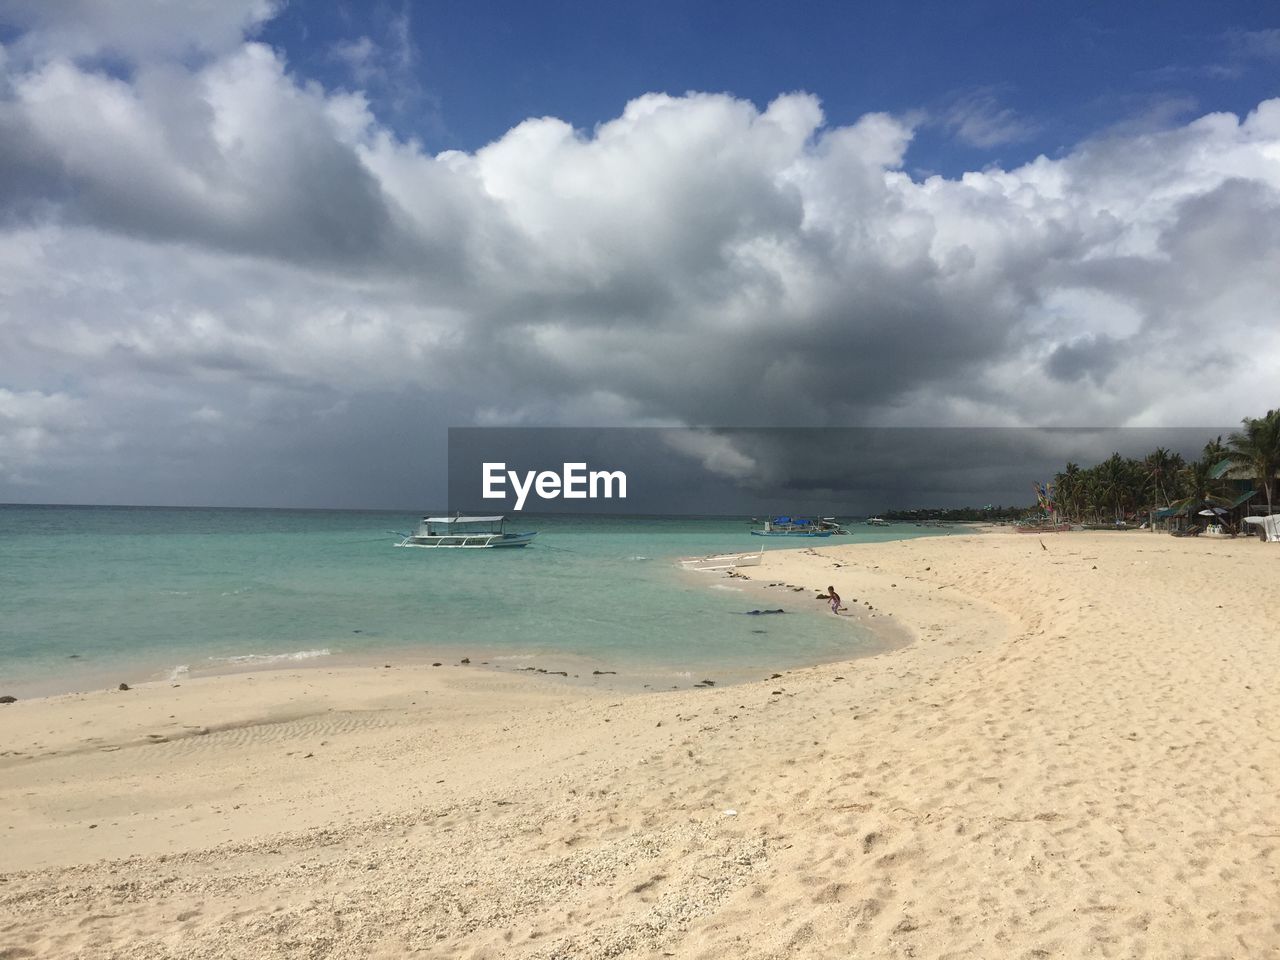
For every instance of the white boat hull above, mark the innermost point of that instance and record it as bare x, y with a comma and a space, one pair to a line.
482, 541
792, 533
723, 561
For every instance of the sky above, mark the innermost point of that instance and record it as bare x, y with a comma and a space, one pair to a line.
256, 253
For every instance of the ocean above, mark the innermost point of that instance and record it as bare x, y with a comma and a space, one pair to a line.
92, 596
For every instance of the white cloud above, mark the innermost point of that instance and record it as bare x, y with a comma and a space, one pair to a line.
980, 120
360, 56
222, 236
133, 29
388, 68
716, 453
1259, 44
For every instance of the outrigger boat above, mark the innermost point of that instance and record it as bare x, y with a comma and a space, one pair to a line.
877, 522
723, 561
797, 527
468, 532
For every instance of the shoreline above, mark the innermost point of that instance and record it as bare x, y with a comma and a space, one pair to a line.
631, 674
298, 694
1075, 758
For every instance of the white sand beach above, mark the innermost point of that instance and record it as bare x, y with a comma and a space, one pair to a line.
1077, 756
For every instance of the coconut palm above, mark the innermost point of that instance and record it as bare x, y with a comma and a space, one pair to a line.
1257, 448
1067, 488
1215, 451
1094, 499
1201, 487
1160, 468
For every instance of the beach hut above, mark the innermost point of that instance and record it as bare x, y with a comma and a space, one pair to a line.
1225, 515
1163, 518
1239, 484
1240, 488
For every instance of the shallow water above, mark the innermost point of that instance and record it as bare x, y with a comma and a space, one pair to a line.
88, 593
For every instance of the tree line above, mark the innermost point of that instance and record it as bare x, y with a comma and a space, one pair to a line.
1121, 487
988, 514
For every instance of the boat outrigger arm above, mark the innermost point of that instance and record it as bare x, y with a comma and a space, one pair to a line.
796, 527
465, 532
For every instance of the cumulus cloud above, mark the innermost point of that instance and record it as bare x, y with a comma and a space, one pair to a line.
220, 236
132, 29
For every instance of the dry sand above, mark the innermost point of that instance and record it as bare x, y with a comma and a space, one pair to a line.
1079, 756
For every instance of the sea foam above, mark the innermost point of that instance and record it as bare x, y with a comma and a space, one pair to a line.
271, 657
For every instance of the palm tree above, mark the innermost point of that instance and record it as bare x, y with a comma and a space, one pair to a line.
1092, 494
1257, 448
1115, 487
1201, 487
1161, 467
1214, 451
1066, 486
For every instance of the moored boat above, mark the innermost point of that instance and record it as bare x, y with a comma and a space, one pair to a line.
465, 532
793, 527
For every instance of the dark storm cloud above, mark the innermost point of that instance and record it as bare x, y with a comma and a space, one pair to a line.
814, 471
1093, 356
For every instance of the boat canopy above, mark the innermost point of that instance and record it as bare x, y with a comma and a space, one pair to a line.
461, 519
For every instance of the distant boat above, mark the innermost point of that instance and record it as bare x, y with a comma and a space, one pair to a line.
794, 527
877, 522
722, 561
471, 533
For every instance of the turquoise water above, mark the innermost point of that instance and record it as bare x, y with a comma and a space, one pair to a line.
91, 593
